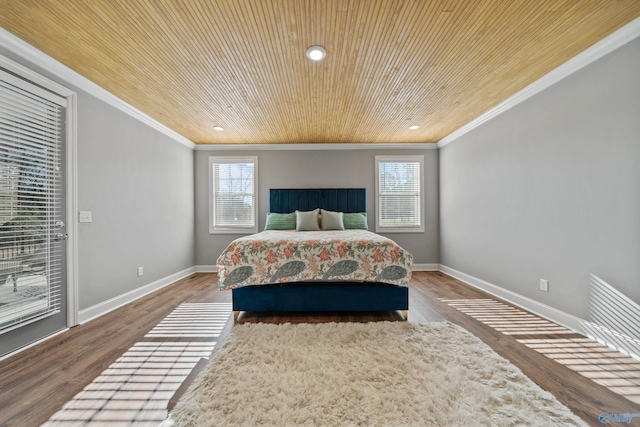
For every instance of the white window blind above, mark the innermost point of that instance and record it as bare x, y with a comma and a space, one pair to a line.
399, 193
233, 197
31, 132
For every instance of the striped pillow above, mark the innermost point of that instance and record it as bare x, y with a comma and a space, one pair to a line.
355, 221
278, 221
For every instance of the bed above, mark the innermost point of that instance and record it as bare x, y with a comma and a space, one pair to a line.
312, 271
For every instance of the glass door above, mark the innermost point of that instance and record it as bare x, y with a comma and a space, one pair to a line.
32, 200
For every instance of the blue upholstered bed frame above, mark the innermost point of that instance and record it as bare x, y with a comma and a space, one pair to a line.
319, 296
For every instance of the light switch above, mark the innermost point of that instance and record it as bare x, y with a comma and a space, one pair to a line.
85, 216
544, 285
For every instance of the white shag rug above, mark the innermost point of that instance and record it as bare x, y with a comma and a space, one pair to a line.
363, 374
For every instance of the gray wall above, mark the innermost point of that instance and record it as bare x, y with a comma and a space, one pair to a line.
551, 189
317, 169
138, 183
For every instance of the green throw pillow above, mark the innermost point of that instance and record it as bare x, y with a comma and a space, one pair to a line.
307, 221
331, 220
355, 221
278, 221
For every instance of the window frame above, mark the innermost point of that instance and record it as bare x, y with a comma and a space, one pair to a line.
400, 159
213, 228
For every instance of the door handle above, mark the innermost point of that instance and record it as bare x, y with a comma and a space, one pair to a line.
60, 237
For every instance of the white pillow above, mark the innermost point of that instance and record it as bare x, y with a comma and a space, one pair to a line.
307, 221
331, 220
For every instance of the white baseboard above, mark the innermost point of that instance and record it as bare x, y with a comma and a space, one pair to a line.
426, 267
557, 316
117, 302
567, 320
206, 269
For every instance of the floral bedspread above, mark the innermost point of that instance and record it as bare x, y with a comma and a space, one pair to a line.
290, 256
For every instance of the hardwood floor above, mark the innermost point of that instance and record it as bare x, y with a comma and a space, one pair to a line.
124, 367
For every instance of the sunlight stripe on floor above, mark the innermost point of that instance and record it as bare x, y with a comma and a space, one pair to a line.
193, 320
136, 388
603, 365
505, 318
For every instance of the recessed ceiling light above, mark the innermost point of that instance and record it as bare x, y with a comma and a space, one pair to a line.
414, 127
316, 53
218, 128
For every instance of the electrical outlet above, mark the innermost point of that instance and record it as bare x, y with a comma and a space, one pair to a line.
544, 285
84, 216
140, 271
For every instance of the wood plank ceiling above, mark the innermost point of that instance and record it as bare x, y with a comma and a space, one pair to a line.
240, 64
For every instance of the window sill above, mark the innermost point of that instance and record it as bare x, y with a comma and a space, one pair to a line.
391, 230
233, 231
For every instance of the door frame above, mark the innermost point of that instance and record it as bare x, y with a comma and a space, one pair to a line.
71, 178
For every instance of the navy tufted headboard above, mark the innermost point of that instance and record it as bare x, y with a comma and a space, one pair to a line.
348, 200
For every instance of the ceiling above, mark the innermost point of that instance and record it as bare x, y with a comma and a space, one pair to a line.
240, 64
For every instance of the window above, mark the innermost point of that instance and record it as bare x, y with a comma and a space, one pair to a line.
399, 206
233, 186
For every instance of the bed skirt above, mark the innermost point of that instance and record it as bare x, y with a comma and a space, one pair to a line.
315, 296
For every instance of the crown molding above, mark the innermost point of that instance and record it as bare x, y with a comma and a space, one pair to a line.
26, 51
41, 59
607, 45
598, 50
345, 146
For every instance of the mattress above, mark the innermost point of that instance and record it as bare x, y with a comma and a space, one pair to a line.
277, 256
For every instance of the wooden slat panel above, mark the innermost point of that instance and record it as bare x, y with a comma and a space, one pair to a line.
241, 64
